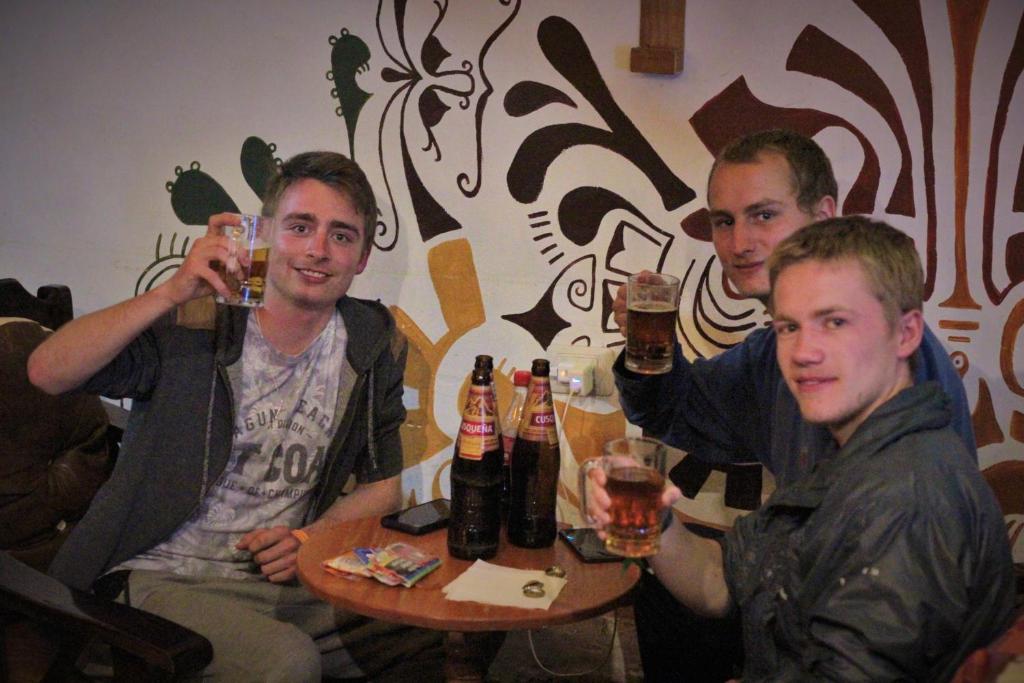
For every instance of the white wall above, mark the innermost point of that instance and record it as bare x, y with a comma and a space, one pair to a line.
103, 99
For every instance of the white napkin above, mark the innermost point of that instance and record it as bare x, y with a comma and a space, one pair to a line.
493, 584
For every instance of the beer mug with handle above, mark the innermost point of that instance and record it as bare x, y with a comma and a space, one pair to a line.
635, 470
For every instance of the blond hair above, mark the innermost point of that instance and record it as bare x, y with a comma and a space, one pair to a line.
887, 255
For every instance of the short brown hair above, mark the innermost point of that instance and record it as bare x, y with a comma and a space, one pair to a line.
811, 169
332, 169
887, 255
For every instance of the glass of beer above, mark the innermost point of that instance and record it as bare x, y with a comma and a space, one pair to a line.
652, 306
245, 271
635, 469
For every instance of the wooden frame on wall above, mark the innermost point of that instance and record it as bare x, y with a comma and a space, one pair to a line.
662, 24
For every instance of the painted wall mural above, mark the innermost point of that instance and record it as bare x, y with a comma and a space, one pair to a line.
593, 236
522, 173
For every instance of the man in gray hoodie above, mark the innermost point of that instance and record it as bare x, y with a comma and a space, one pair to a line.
246, 425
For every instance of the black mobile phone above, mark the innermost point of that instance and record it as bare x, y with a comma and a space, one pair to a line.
587, 545
421, 518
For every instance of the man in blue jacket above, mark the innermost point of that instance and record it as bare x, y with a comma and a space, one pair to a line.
736, 408
889, 560
246, 425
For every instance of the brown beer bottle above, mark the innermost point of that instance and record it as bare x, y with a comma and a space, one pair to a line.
475, 524
509, 430
534, 466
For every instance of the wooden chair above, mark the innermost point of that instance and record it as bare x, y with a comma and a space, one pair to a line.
1003, 660
51, 307
44, 625
1007, 481
993, 663
144, 646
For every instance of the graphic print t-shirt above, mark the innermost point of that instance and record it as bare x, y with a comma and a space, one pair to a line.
284, 420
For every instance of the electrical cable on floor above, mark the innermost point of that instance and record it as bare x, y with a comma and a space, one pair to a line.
573, 391
576, 674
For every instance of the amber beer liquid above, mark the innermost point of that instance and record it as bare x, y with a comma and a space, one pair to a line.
652, 300
247, 282
476, 474
634, 468
635, 526
650, 336
534, 467
244, 270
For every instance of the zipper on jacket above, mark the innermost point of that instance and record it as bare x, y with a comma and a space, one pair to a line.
206, 485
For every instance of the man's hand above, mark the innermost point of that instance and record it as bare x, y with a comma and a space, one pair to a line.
275, 551
689, 566
621, 304
82, 347
196, 276
619, 309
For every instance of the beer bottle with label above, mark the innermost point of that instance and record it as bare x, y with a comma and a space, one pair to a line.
534, 466
486, 362
509, 429
475, 523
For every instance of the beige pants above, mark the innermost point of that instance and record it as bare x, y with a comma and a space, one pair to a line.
262, 631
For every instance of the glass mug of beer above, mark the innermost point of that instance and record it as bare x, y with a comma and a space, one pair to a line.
245, 270
652, 306
635, 467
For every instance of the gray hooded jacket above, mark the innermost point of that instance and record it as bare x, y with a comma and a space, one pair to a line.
179, 376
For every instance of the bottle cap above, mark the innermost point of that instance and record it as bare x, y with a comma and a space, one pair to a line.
521, 378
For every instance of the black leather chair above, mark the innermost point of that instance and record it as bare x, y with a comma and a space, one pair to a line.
45, 625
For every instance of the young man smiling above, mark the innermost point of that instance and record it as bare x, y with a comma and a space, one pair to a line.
761, 189
735, 407
889, 561
245, 427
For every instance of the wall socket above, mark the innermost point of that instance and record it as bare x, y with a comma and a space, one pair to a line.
581, 356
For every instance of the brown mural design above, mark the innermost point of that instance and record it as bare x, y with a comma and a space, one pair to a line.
582, 211
454, 277
1014, 245
722, 323
966, 20
736, 110
426, 92
902, 25
456, 285
590, 235
570, 236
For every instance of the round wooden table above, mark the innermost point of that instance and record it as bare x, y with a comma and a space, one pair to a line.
592, 588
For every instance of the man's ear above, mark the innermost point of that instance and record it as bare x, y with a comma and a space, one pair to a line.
910, 328
361, 266
825, 208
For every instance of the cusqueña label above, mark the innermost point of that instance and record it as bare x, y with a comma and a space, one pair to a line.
540, 425
478, 435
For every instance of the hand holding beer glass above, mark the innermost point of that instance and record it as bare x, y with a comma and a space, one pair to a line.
244, 272
629, 486
652, 301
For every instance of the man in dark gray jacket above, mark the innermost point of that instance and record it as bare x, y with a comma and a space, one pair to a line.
890, 560
246, 425
736, 408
